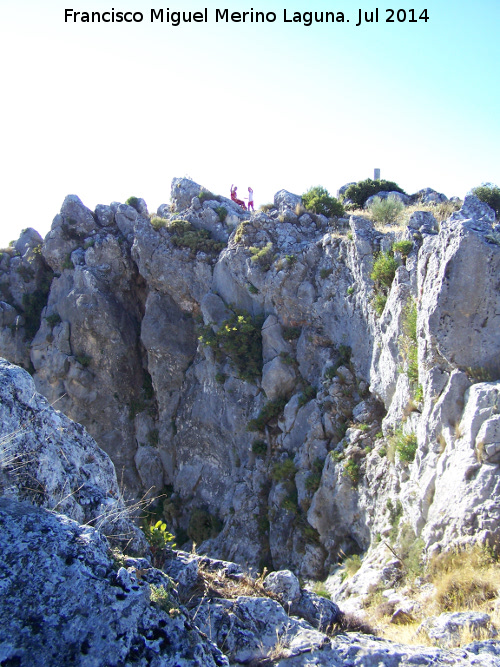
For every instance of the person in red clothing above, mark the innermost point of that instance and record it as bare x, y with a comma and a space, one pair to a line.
250, 199
235, 198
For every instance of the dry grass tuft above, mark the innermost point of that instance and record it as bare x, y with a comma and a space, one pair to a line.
219, 584
465, 579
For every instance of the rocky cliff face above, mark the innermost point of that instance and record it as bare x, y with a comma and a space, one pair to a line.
237, 364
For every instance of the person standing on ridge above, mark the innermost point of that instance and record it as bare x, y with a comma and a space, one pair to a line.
250, 199
235, 198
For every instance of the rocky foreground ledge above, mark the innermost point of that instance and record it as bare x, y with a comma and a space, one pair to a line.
68, 599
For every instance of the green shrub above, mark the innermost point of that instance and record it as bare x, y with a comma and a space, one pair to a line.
203, 526
291, 333
239, 234
221, 212
378, 302
350, 291
386, 211
403, 247
290, 504
350, 566
270, 411
320, 589
240, 338
384, 270
161, 597
360, 191
408, 342
325, 273
220, 378
133, 201
252, 289
313, 481
344, 358
157, 223
53, 320
259, 447
263, 257
185, 235
26, 272
206, 195
351, 470
284, 470
410, 549
307, 395
160, 541
406, 446
318, 200
489, 194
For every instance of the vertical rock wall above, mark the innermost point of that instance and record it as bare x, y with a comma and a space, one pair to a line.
282, 457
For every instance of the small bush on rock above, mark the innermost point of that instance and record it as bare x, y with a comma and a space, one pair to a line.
360, 191
318, 200
160, 541
203, 526
270, 411
403, 247
489, 194
386, 211
239, 337
206, 195
351, 470
406, 446
53, 319
384, 269
284, 470
221, 212
259, 447
157, 223
185, 235
383, 272
263, 257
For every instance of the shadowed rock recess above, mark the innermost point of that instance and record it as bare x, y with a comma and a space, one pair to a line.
287, 401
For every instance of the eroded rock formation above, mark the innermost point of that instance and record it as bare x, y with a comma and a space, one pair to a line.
257, 386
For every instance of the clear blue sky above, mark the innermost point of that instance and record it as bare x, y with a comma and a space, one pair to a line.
106, 111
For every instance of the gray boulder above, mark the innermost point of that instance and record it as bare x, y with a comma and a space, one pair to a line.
447, 629
50, 461
65, 602
428, 196
182, 192
284, 200
405, 199
393, 194
278, 378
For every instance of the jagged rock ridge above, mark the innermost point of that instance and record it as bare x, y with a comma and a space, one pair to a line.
119, 348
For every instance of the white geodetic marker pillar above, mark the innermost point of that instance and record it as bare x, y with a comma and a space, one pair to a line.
376, 174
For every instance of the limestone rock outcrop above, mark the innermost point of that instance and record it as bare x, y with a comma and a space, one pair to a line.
66, 602
240, 366
52, 462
